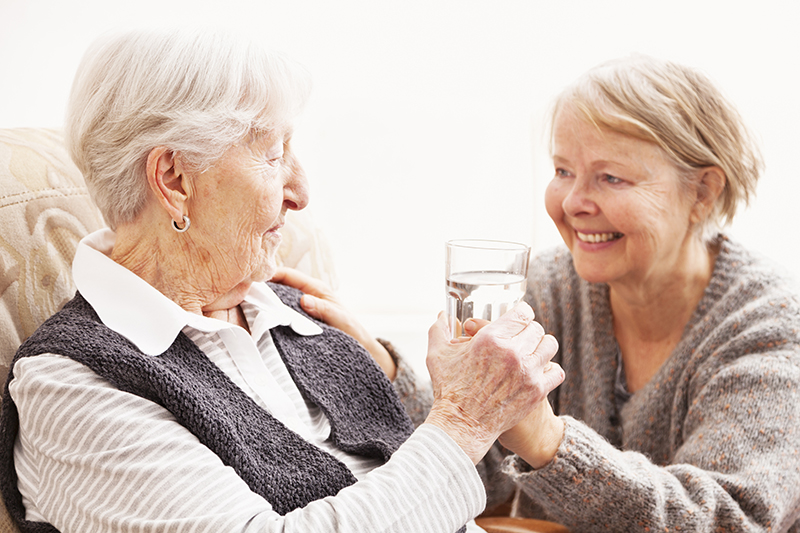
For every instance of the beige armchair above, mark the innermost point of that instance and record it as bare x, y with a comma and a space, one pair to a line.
45, 210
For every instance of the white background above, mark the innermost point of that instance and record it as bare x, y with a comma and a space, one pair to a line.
426, 122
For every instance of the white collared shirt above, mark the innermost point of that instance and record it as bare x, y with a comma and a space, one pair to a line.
152, 321
92, 458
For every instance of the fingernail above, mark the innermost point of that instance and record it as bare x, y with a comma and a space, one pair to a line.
308, 302
470, 326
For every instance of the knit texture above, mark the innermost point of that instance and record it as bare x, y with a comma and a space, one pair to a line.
331, 370
711, 443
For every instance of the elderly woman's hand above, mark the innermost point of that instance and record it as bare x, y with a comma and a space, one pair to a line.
485, 385
537, 437
320, 302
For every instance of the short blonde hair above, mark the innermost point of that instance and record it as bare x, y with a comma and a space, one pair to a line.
195, 92
679, 109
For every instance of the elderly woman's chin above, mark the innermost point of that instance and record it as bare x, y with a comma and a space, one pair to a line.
266, 263
266, 269
258, 269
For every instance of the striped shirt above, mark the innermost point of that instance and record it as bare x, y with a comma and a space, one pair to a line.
93, 458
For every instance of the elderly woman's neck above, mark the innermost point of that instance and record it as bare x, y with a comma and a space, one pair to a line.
163, 259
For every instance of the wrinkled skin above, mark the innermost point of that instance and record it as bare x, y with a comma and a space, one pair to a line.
488, 384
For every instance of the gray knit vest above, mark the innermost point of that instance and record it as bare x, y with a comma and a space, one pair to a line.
331, 370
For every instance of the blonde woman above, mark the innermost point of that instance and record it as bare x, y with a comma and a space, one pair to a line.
680, 410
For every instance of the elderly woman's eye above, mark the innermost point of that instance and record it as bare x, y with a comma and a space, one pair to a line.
275, 162
611, 179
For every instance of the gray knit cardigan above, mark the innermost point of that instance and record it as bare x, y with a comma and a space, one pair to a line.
711, 443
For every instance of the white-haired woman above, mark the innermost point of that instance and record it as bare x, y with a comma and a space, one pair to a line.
177, 391
680, 410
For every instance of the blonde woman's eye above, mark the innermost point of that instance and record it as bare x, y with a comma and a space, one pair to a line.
612, 179
561, 173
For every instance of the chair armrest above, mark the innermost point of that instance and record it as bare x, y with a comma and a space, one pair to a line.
506, 524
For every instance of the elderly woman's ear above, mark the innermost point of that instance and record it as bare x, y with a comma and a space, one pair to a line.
710, 185
166, 180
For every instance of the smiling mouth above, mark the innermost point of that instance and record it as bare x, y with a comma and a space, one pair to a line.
598, 237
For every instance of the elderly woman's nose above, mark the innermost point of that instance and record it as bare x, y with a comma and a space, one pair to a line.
295, 194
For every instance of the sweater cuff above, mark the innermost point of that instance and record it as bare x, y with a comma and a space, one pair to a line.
579, 463
571, 454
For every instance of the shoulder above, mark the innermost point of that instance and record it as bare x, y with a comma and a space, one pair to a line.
747, 282
748, 318
738, 266
552, 263
53, 372
76, 322
288, 295
551, 270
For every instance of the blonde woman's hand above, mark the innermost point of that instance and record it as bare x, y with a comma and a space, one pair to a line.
537, 437
320, 302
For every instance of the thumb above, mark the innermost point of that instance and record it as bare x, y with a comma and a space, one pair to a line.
513, 322
439, 332
332, 314
473, 325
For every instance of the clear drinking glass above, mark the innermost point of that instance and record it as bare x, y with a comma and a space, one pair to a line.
484, 279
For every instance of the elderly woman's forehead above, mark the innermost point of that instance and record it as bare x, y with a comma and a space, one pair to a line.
260, 137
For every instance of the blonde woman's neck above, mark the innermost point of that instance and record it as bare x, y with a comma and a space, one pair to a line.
650, 316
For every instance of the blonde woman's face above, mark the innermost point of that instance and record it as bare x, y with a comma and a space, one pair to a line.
617, 202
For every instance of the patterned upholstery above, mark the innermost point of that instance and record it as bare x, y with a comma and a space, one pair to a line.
45, 210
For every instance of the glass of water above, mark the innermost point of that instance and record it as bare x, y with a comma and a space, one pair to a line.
484, 279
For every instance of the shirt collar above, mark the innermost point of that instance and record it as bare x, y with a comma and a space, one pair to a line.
276, 313
136, 310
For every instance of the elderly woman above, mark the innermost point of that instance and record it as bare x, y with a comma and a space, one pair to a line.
177, 391
680, 410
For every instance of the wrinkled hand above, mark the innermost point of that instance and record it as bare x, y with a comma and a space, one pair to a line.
487, 384
320, 302
537, 437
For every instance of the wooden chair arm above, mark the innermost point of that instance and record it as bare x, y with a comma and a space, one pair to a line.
505, 524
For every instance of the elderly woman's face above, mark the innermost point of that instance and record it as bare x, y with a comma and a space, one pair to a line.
239, 204
617, 202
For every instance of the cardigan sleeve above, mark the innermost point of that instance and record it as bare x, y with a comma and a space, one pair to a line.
415, 394
737, 468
